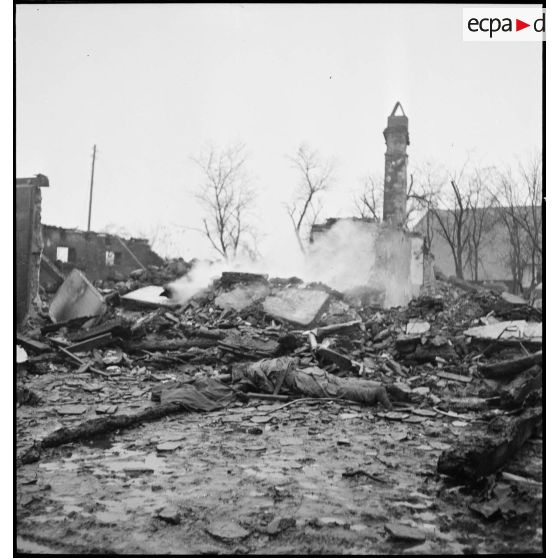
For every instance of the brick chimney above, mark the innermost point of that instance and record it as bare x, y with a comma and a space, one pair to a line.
395, 177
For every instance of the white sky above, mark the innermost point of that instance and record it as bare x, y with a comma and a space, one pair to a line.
150, 84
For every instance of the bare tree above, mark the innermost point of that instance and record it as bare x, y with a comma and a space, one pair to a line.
480, 218
452, 222
369, 201
516, 258
519, 198
531, 219
226, 197
315, 177
425, 195
451, 212
462, 215
472, 204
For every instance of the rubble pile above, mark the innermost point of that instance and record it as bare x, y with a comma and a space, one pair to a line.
468, 357
143, 276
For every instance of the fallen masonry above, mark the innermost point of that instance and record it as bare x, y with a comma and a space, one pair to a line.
482, 453
280, 410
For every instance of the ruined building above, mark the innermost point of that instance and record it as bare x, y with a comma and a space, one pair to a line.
383, 260
46, 254
494, 259
98, 255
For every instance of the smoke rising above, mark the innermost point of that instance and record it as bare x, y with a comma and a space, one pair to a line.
351, 254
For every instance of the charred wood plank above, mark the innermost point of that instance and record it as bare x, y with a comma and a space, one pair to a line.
97, 427
117, 327
92, 343
492, 347
454, 377
244, 353
336, 329
171, 344
249, 347
70, 324
82, 364
508, 368
516, 392
31, 344
207, 333
480, 453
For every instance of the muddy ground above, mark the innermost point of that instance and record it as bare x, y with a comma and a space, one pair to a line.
312, 478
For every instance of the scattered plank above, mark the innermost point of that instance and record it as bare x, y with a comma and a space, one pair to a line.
70, 324
170, 344
96, 427
248, 347
92, 343
31, 344
515, 393
116, 326
82, 364
520, 480
509, 368
454, 377
336, 329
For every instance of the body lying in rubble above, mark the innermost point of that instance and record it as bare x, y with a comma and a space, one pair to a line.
467, 359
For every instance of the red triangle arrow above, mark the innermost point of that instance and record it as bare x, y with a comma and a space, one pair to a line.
519, 25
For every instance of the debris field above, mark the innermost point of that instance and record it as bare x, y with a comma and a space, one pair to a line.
265, 415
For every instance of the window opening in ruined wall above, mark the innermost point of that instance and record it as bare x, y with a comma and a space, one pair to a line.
113, 258
62, 254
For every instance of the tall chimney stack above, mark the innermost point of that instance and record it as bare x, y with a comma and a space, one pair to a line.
395, 177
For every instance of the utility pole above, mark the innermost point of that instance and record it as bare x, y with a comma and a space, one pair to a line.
91, 188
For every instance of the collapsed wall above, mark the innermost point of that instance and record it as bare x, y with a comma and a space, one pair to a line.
98, 255
361, 255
